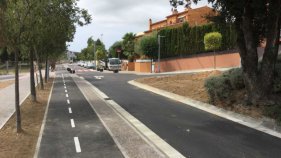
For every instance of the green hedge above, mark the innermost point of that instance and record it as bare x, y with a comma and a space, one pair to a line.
185, 40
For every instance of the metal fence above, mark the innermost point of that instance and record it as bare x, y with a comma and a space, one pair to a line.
8, 67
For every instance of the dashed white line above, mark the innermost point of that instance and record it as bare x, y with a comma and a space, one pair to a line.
68, 101
77, 145
64, 87
70, 110
65, 91
72, 123
66, 95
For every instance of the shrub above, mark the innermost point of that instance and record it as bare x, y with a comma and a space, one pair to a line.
218, 87
273, 111
212, 41
236, 78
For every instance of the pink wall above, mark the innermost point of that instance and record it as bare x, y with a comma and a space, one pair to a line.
204, 61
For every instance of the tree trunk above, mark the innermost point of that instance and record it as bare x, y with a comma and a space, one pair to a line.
32, 81
249, 56
17, 102
271, 49
46, 70
258, 81
39, 69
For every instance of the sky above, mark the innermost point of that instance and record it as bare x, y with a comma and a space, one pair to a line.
111, 19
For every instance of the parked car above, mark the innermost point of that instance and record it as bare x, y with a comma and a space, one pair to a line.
90, 66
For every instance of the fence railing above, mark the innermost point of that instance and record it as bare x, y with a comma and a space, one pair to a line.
8, 67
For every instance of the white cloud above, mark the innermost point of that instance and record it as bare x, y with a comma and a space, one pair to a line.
114, 18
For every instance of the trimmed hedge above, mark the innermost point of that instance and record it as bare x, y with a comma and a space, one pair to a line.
185, 40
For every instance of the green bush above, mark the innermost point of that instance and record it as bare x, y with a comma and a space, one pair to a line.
273, 111
236, 78
218, 87
221, 87
212, 41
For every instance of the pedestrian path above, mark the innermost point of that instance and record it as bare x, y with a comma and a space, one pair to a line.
7, 98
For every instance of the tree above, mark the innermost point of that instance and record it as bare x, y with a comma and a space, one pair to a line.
213, 41
128, 45
116, 50
149, 45
100, 54
40, 27
255, 22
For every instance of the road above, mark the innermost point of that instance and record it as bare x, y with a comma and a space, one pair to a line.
72, 127
192, 132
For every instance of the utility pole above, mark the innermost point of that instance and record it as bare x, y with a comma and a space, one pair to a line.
95, 56
159, 51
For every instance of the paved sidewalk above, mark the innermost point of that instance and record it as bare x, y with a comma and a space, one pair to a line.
7, 95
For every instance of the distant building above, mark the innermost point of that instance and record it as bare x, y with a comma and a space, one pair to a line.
71, 55
193, 17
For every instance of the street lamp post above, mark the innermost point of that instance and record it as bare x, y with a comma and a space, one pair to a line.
159, 51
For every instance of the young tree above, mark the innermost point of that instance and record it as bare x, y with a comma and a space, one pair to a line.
14, 23
31, 26
255, 22
212, 42
100, 54
149, 45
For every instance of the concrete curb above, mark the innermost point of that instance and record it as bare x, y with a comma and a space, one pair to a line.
264, 125
37, 148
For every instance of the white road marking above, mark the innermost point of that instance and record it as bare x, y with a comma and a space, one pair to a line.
77, 145
68, 101
64, 87
99, 77
66, 95
70, 110
65, 91
72, 123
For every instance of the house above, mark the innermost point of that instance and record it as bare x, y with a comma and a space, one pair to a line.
193, 17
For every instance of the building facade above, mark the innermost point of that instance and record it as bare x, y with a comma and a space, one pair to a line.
193, 17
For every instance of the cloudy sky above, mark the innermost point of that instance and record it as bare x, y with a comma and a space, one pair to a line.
113, 18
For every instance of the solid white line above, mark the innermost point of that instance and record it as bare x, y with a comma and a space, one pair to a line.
72, 123
77, 145
37, 148
69, 110
66, 95
68, 102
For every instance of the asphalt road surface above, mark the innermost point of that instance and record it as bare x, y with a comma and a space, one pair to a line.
194, 133
72, 127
